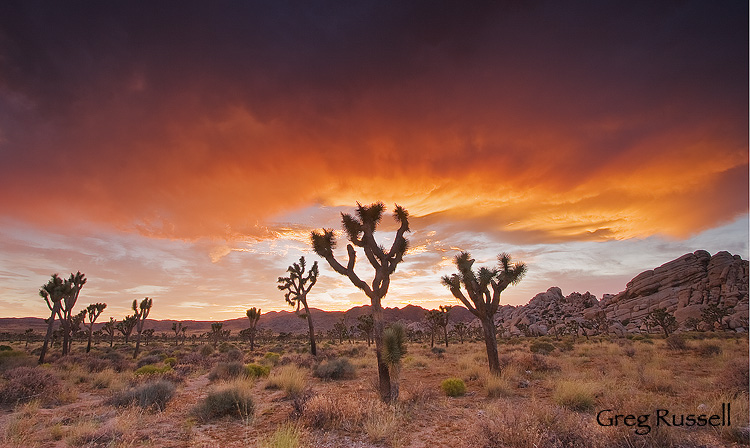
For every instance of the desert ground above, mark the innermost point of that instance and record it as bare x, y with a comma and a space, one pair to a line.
549, 394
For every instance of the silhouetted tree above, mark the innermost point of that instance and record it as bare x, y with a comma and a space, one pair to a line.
340, 330
93, 312
297, 285
65, 312
253, 314
483, 288
460, 329
216, 334
147, 335
360, 231
366, 325
52, 293
109, 328
433, 319
141, 313
126, 326
444, 315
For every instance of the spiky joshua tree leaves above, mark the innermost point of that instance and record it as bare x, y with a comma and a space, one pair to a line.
360, 230
394, 349
60, 296
93, 312
297, 285
483, 289
253, 314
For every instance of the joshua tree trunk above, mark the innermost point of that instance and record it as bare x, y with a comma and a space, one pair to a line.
490, 342
50, 330
311, 330
384, 376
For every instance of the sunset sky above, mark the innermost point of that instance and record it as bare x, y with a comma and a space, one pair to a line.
186, 153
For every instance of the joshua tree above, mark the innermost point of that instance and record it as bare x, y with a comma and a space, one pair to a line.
147, 335
65, 312
93, 312
52, 293
483, 288
340, 330
433, 319
109, 328
29, 333
394, 349
254, 315
713, 315
692, 323
460, 329
297, 285
360, 231
178, 328
126, 326
217, 334
662, 318
365, 324
444, 311
141, 313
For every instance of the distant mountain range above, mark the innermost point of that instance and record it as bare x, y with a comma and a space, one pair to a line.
683, 286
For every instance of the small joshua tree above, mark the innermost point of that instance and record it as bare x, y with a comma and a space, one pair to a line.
365, 325
126, 326
65, 312
483, 289
394, 349
297, 285
52, 293
141, 313
660, 317
444, 314
460, 329
109, 328
178, 328
713, 315
253, 314
433, 319
93, 312
360, 230
216, 334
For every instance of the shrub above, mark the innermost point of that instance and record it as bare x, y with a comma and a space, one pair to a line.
271, 358
206, 350
235, 354
438, 351
13, 359
4, 348
152, 369
155, 394
453, 387
257, 370
233, 399
677, 342
26, 383
709, 349
335, 369
227, 371
545, 348
289, 378
171, 361
146, 360
574, 395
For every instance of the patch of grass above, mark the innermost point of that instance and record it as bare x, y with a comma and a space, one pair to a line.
335, 369
155, 394
574, 395
289, 378
271, 358
453, 387
257, 370
151, 369
232, 399
28, 383
285, 436
227, 371
541, 347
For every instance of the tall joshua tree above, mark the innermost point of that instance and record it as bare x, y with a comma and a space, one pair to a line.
72, 288
360, 230
253, 314
109, 328
297, 285
126, 326
52, 293
93, 312
433, 319
483, 289
141, 313
444, 314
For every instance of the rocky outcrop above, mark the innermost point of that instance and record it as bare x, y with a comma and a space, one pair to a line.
684, 287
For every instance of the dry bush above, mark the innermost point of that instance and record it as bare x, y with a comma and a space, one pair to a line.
289, 378
497, 385
677, 342
11, 359
419, 393
27, 383
227, 371
22, 426
231, 399
736, 376
285, 436
709, 349
575, 395
654, 379
150, 359
342, 412
335, 369
154, 394
530, 362
505, 424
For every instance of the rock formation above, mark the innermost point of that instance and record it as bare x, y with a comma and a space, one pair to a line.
684, 287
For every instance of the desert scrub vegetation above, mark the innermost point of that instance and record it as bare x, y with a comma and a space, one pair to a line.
287, 435
31, 383
152, 369
155, 394
233, 399
575, 395
335, 369
289, 378
257, 370
227, 371
453, 387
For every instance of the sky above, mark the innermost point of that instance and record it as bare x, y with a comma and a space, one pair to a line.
185, 152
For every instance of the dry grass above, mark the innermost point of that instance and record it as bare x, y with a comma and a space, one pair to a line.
289, 378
